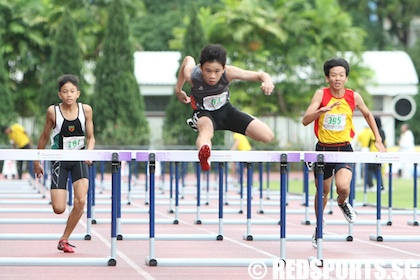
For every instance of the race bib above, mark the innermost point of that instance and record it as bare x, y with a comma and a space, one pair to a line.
335, 122
215, 102
73, 143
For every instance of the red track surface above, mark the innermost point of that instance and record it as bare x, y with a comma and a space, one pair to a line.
131, 254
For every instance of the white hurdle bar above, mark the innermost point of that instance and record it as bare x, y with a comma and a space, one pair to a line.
70, 155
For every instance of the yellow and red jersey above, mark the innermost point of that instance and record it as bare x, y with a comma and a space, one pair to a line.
336, 126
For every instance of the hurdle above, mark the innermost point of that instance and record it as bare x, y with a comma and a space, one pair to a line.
285, 159
25, 192
217, 156
331, 202
71, 155
371, 157
178, 157
404, 157
321, 159
249, 202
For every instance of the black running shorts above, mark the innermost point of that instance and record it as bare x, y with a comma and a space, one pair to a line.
60, 172
330, 167
226, 118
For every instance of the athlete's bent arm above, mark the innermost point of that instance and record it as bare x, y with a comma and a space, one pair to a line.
236, 73
184, 75
44, 138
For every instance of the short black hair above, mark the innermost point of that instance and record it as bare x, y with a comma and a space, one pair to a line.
64, 79
378, 122
3, 128
334, 62
213, 53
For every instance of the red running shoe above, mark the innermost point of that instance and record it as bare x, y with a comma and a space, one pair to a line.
203, 156
65, 246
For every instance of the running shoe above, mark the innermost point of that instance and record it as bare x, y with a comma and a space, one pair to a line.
315, 239
314, 236
203, 156
348, 212
65, 246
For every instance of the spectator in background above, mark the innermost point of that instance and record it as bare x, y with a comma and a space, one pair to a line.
406, 144
20, 140
372, 167
240, 143
363, 139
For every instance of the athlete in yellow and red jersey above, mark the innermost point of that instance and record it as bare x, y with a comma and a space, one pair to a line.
332, 111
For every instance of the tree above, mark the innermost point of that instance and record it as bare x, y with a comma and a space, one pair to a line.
8, 114
66, 58
162, 17
288, 39
117, 103
24, 33
387, 22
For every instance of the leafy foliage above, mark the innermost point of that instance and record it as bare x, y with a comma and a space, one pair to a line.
387, 22
66, 58
288, 39
291, 42
23, 31
117, 102
6, 105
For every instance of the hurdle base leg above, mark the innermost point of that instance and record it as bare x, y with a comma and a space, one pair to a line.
112, 262
413, 223
318, 262
247, 237
374, 237
151, 261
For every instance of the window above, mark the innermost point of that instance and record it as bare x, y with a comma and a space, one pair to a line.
156, 103
377, 103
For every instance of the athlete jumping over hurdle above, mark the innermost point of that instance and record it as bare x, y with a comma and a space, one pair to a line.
209, 99
332, 110
71, 127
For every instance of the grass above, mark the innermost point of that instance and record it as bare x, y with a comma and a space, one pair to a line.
402, 192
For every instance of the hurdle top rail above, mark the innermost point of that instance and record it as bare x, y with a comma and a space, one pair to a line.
222, 156
63, 155
216, 156
363, 157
